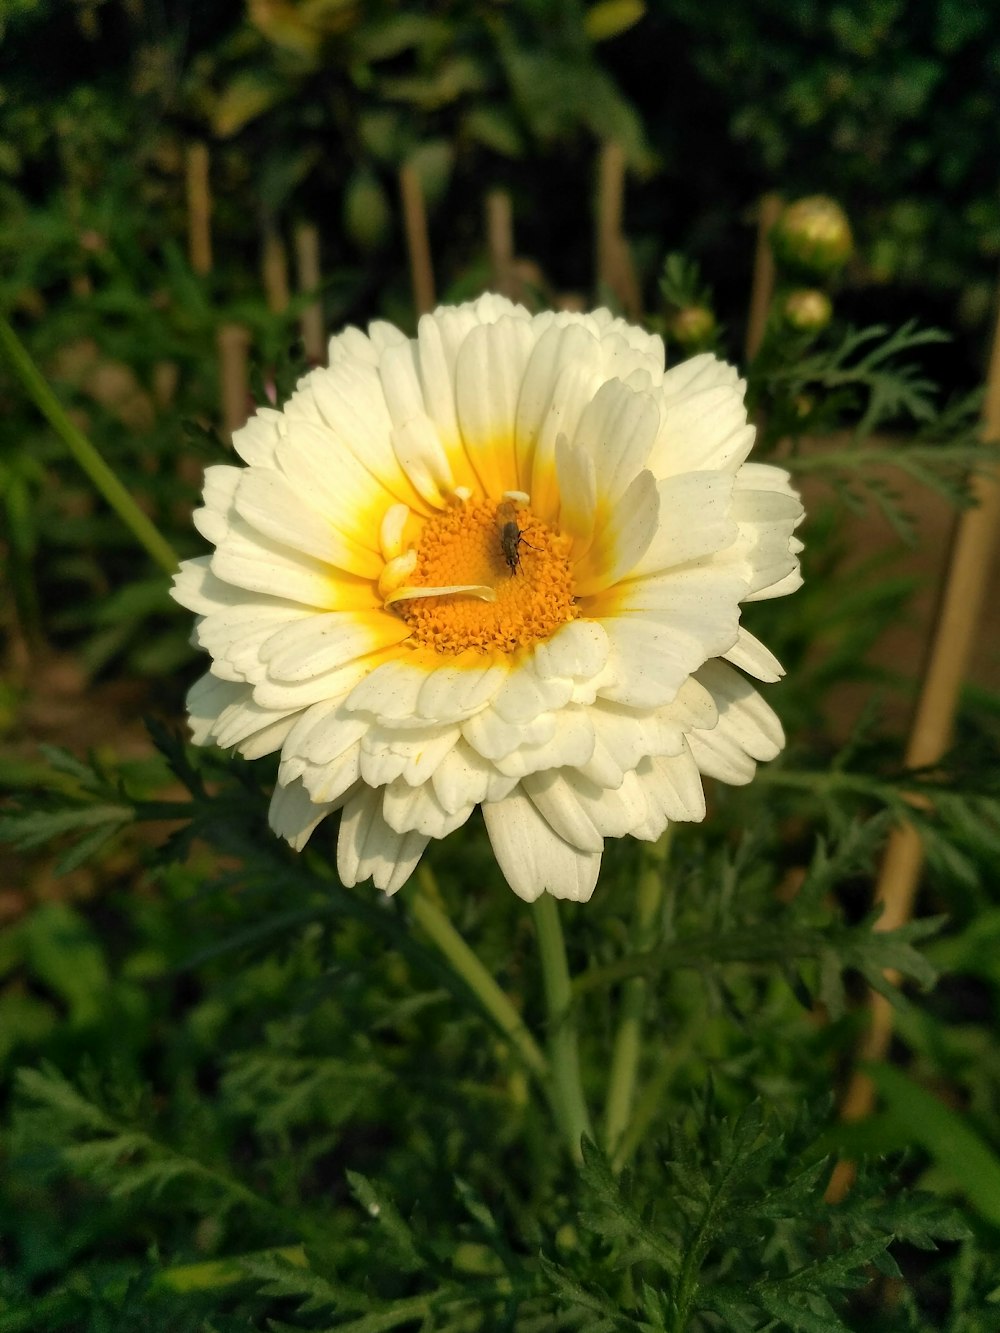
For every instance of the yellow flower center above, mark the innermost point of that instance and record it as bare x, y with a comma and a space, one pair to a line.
491, 547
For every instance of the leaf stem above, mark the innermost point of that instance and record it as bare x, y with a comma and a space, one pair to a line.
627, 1050
567, 1088
102, 477
468, 966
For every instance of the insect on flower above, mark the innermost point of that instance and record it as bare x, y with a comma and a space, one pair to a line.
511, 536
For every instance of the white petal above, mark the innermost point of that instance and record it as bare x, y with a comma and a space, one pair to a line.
390, 693
234, 635
576, 651
212, 520
418, 809
621, 539
356, 426
576, 385
207, 698
422, 457
258, 564
341, 491
294, 816
577, 494
331, 782
743, 713
554, 795
488, 378
412, 754
324, 732
351, 343
462, 777
534, 859
570, 745
328, 685
673, 786
369, 849
704, 429
694, 521
524, 694
494, 737
267, 501
197, 588
313, 645
664, 628
750, 655
543, 387
454, 693
617, 430
256, 441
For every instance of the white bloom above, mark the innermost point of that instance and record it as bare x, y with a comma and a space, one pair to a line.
500, 564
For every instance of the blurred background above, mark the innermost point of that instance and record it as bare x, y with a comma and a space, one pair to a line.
193, 195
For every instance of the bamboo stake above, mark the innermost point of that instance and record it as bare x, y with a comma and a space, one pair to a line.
959, 616
274, 272
615, 270
233, 342
309, 277
762, 290
199, 207
500, 242
417, 241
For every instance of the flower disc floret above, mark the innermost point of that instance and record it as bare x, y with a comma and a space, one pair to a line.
462, 546
500, 564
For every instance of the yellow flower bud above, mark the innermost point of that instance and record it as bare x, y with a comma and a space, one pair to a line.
692, 327
807, 309
813, 233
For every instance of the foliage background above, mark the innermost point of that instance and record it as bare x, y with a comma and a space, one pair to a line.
229, 1068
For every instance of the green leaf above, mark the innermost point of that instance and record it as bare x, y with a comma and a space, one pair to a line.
367, 215
609, 18
946, 1136
248, 96
379, 1206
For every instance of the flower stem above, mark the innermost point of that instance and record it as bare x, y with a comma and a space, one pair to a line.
567, 1089
627, 1049
144, 531
467, 965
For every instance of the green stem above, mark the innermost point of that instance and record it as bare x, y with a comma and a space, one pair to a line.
627, 1050
144, 531
568, 1101
466, 964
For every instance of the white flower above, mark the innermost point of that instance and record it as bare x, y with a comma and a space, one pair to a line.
499, 564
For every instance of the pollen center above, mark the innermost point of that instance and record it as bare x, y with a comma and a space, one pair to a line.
497, 547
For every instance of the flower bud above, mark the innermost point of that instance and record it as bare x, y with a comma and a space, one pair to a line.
814, 234
807, 309
692, 327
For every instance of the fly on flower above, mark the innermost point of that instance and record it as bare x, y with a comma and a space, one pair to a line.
362, 618
511, 536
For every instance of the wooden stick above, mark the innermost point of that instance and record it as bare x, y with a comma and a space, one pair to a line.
958, 619
417, 241
615, 269
274, 272
762, 290
199, 207
309, 277
500, 242
610, 213
233, 342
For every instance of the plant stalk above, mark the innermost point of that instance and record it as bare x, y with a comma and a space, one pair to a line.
627, 1050
102, 477
467, 965
567, 1088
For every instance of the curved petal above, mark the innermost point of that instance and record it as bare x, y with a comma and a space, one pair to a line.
488, 376
533, 858
368, 848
